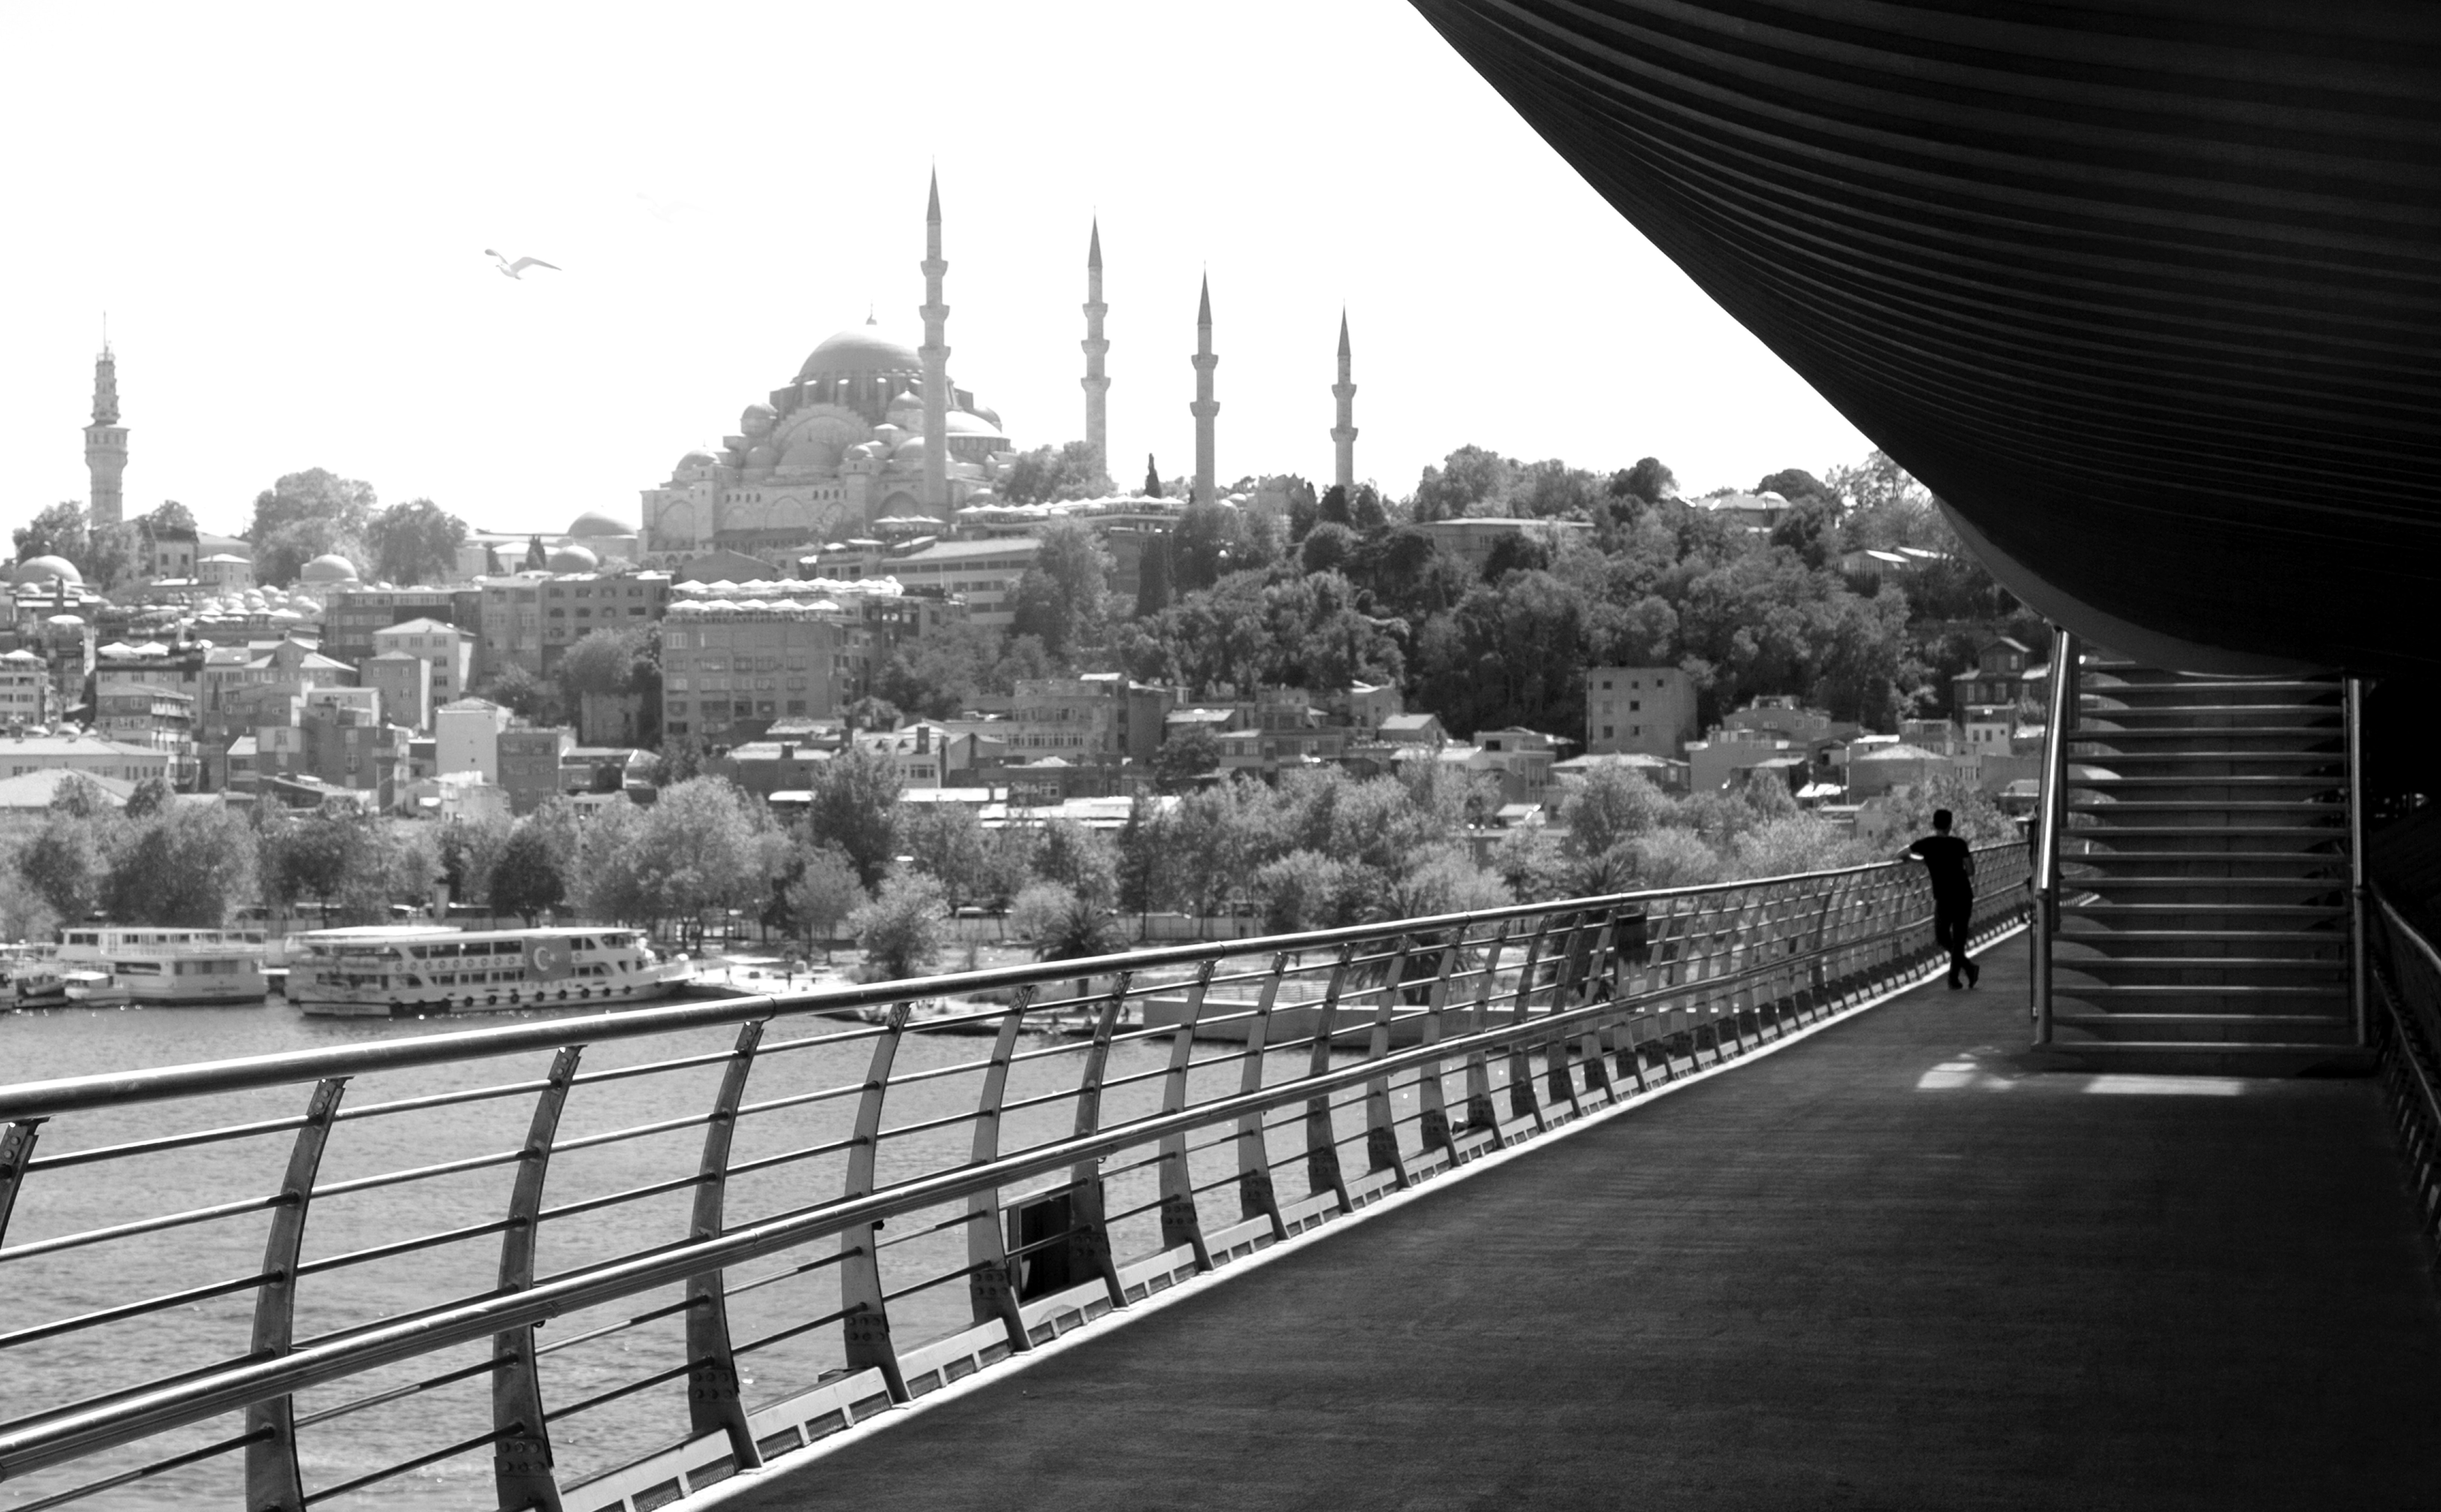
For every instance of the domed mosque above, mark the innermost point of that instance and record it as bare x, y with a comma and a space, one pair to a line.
870, 429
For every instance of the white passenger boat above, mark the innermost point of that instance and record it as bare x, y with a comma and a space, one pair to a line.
192, 975
168, 964
95, 945
95, 989
384, 970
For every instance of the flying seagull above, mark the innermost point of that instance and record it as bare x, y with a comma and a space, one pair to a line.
517, 269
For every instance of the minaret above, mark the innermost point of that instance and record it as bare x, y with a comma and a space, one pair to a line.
1204, 409
936, 353
105, 447
1097, 387
1343, 435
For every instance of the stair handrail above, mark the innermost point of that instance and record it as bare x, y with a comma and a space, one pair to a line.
2049, 816
2359, 996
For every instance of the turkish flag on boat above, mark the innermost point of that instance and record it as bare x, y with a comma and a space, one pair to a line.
547, 959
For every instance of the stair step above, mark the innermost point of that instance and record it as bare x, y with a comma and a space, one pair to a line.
2143, 910
2216, 857
2151, 678
2319, 758
2115, 884
2249, 780
2252, 937
2290, 735
2205, 1058
2117, 832
2152, 991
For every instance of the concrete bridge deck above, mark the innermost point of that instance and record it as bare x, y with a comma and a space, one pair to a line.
1889, 1267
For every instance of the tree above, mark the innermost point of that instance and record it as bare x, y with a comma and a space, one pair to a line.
415, 542
60, 531
704, 845
308, 514
1649, 482
938, 676
1062, 925
469, 850
1185, 758
1073, 471
526, 880
855, 807
78, 797
149, 797
1152, 478
536, 560
825, 894
67, 866
1080, 860
1611, 805
868, 713
1152, 576
900, 931
1059, 597
946, 844
523, 695
1328, 547
1470, 480
193, 865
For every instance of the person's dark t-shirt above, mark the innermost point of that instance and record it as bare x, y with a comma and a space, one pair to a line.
1945, 857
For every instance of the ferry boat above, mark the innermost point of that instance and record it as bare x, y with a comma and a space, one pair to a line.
96, 946
195, 975
406, 970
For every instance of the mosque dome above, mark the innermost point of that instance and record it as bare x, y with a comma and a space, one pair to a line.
907, 398
859, 352
573, 558
595, 523
990, 414
49, 569
331, 567
762, 456
757, 421
961, 424
910, 450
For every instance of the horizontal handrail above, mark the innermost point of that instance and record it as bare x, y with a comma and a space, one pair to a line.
65, 1095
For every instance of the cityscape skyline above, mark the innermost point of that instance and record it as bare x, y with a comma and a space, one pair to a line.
359, 335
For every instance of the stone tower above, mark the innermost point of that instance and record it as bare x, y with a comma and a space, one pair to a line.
1097, 385
1205, 407
1343, 435
105, 447
936, 353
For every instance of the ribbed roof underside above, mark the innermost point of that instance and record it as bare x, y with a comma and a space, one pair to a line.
2148, 292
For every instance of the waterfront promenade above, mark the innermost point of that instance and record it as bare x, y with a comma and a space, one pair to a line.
1893, 1265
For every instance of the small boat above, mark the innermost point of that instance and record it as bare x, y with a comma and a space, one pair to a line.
29, 978
413, 970
94, 989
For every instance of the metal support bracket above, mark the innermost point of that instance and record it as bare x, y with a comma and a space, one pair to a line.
521, 1456
273, 1481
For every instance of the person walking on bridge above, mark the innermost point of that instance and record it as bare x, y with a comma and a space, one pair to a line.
1952, 867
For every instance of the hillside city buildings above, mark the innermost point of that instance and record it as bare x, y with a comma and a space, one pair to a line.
854, 514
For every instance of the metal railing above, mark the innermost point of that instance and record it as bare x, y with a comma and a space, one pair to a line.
2403, 973
2050, 823
323, 1275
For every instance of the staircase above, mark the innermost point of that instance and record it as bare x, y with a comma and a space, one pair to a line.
2204, 918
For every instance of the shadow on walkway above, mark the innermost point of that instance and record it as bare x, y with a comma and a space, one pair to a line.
1885, 1268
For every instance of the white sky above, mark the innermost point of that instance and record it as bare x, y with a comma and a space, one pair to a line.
284, 209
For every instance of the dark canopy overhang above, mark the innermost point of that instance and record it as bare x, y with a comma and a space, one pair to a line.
2148, 293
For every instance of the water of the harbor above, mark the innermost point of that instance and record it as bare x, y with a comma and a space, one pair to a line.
828, 1055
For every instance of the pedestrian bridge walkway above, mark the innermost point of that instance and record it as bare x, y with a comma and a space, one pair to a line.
1891, 1264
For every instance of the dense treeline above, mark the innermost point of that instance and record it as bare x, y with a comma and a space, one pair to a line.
1334, 588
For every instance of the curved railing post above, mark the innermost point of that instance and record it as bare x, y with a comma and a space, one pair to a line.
1432, 1106
991, 1290
2048, 820
1322, 1173
1597, 979
715, 1404
16, 1153
521, 1457
273, 1482
1381, 1127
1088, 1235
1521, 1101
864, 1329
1257, 1197
1178, 1221
1480, 1114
